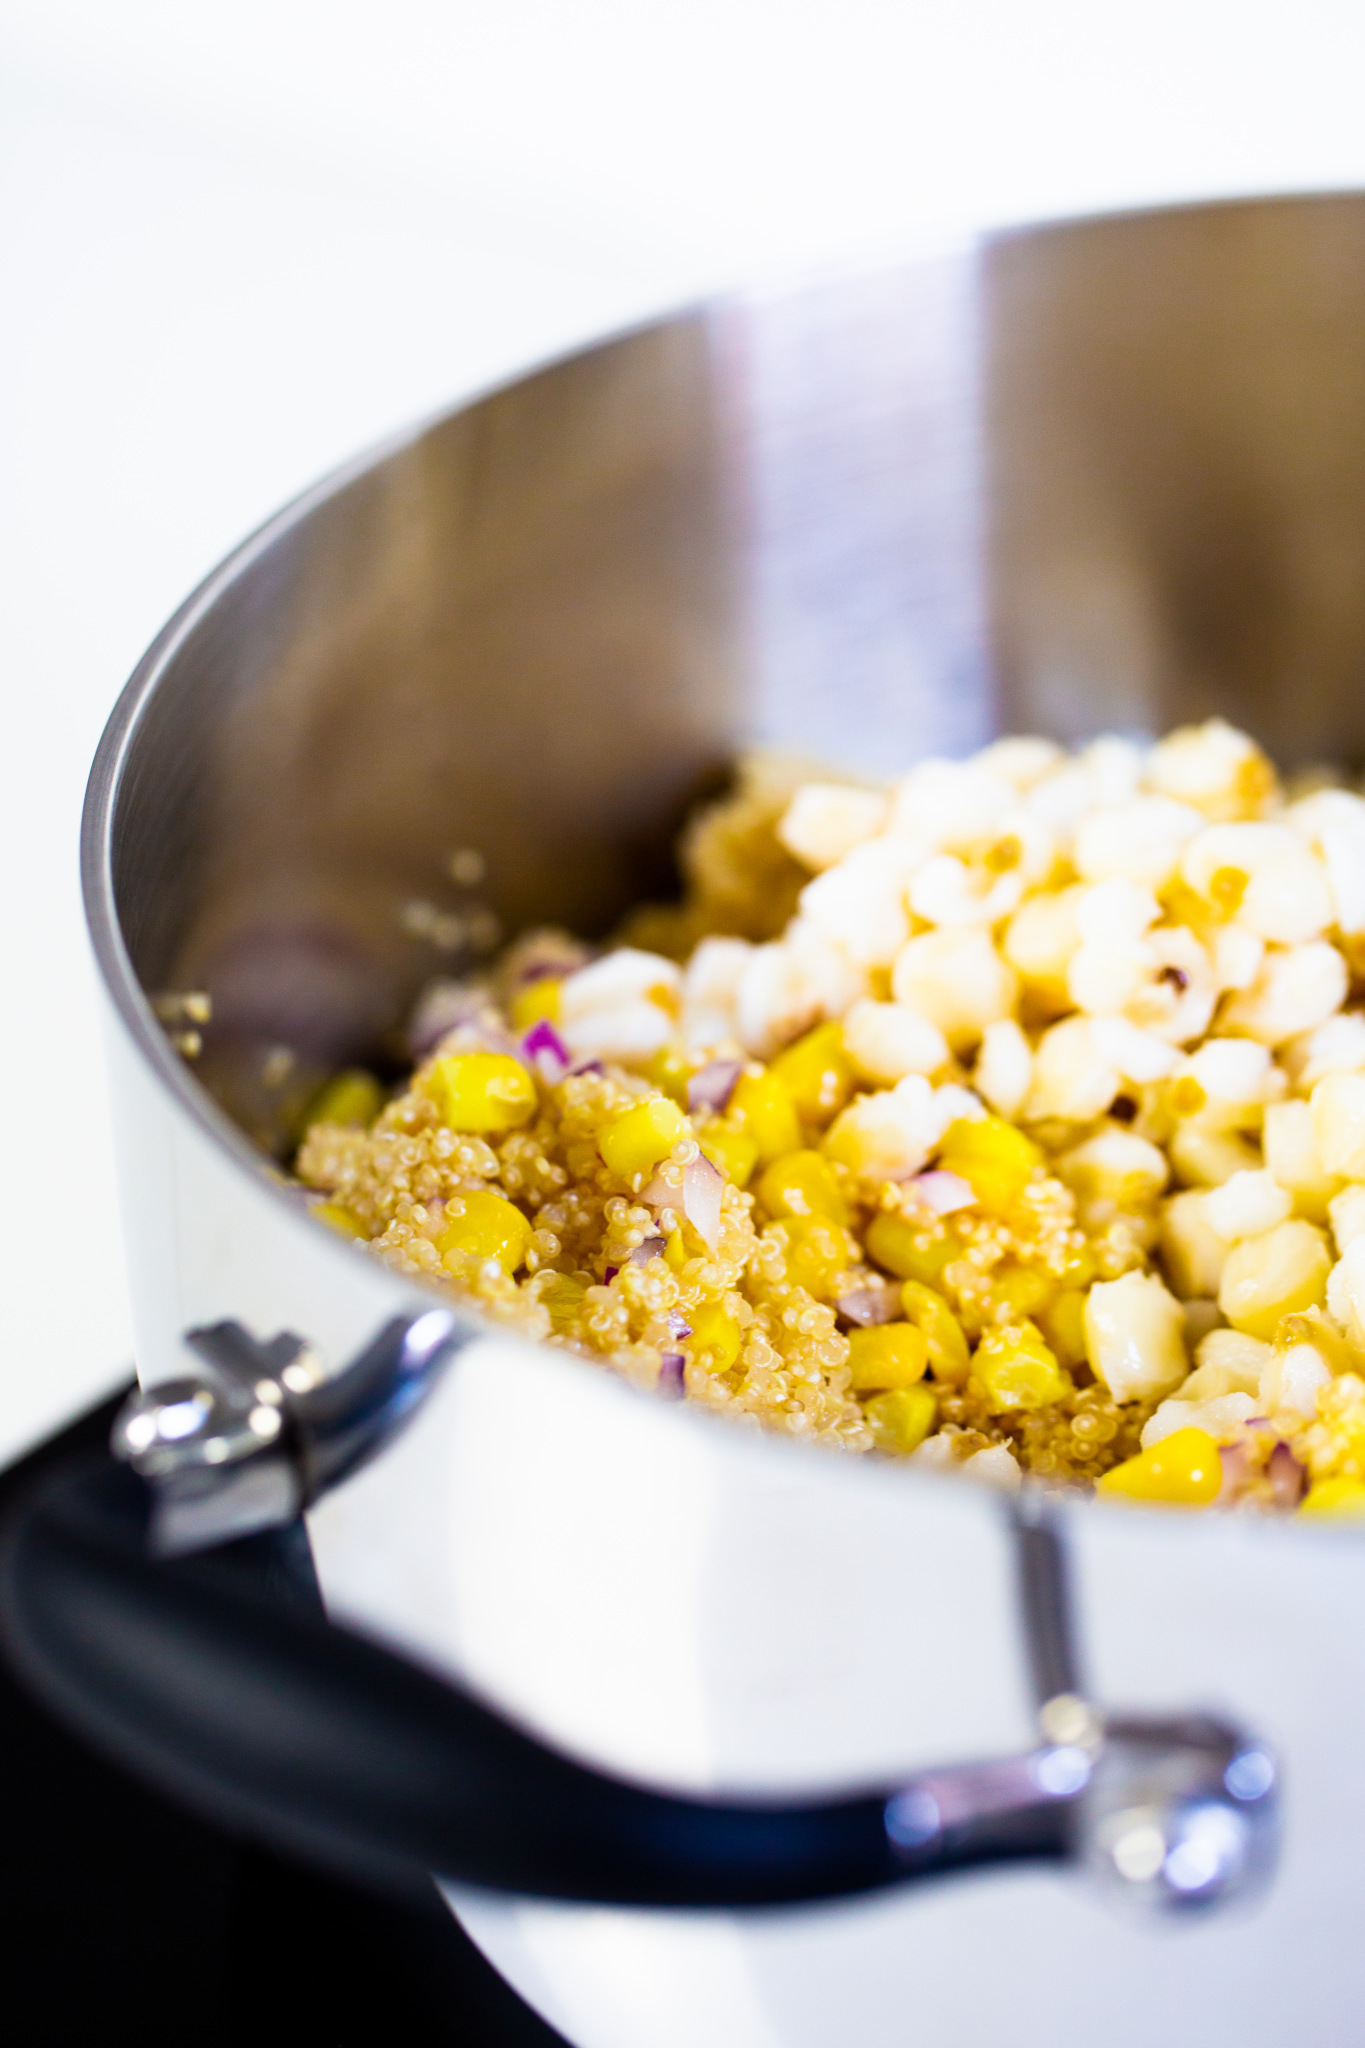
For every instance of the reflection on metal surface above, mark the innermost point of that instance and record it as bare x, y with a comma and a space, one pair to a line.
1101, 475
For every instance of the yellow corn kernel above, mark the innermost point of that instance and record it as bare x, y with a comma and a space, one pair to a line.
670, 1071
1182, 1471
902, 1419
995, 1159
819, 1253
909, 1250
734, 1152
1063, 1324
482, 1091
1023, 1290
802, 1184
1339, 1499
926, 1308
562, 1294
339, 1219
488, 1226
675, 1251
817, 1072
640, 1137
353, 1098
762, 1107
537, 1003
1017, 1370
893, 1355
715, 1340
1278, 1273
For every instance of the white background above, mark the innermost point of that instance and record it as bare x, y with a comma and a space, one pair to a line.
238, 242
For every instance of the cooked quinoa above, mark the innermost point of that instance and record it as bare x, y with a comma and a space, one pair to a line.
1010, 1118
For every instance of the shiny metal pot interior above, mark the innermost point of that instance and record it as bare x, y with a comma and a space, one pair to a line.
1101, 475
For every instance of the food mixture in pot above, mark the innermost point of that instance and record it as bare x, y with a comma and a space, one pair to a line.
1010, 1118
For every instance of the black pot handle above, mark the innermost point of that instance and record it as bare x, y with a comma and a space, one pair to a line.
216, 1678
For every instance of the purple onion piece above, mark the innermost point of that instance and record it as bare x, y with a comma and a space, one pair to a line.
870, 1304
713, 1086
609, 1275
648, 1248
672, 1384
942, 1192
702, 1187
588, 1067
678, 1325
546, 1050
1236, 1463
1288, 1480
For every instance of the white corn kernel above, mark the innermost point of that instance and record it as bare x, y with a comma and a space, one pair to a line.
1346, 1292
1105, 975
618, 978
949, 806
946, 891
1291, 1381
1004, 1067
1224, 1418
1071, 1076
1115, 909
1205, 1157
1247, 1203
1021, 762
1235, 1358
1139, 1056
995, 1466
1338, 1106
1336, 1047
1191, 1250
789, 985
1236, 955
887, 1041
1291, 1154
1347, 1213
1235, 1076
1140, 840
1333, 821
860, 903
1219, 770
1281, 1272
1135, 1336
1263, 878
1040, 940
1115, 1169
1177, 999
889, 1135
710, 986
630, 1032
826, 820
1298, 988
957, 980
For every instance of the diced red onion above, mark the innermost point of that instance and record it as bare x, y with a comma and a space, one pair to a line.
870, 1303
714, 1085
588, 1067
1236, 1464
942, 1192
702, 1187
672, 1384
609, 1274
546, 1051
678, 1325
661, 1194
648, 1248
1288, 1480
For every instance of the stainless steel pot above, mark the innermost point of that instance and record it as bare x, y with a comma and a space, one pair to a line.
1101, 475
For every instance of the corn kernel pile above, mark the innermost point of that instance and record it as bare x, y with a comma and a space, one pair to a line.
1009, 1119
